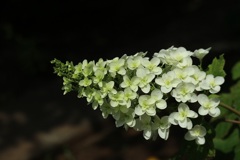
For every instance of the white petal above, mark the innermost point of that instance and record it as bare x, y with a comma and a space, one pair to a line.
183, 123
139, 111
172, 119
200, 140
163, 133
192, 114
165, 89
151, 111
131, 123
202, 98
189, 124
214, 112
155, 61
162, 104
122, 71
216, 89
114, 103
146, 88
219, 80
157, 94
147, 134
189, 137
193, 98
141, 72
202, 111
157, 70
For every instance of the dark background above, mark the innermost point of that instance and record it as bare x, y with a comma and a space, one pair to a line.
33, 33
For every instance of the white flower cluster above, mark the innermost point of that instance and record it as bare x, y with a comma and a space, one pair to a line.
151, 94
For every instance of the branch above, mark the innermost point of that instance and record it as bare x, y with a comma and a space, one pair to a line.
230, 108
232, 121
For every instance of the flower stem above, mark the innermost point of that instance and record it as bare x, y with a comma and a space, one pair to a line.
230, 108
232, 121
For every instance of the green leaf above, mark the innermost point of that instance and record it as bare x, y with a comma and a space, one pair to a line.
227, 99
236, 71
227, 145
217, 67
237, 152
222, 129
235, 94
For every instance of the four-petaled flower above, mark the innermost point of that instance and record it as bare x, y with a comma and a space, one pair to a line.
162, 125
208, 106
197, 133
146, 105
212, 83
145, 78
182, 117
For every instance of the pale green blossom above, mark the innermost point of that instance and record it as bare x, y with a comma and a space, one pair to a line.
129, 96
117, 99
108, 87
152, 65
117, 66
184, 74
197, 133
200, 53
182, 117
97, 100
157, 95
184, 92
167, 81
146, 105
87, 68
144, 124
98, 77
208, 106
197, 76
77, 71
100, 65
134, 62
85, 82
145, 77
162, 125
126, 119
212, 83
131, 83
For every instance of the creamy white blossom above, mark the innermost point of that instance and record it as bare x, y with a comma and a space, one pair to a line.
208, 106
134, 62
212, 83
145, 78
146, 105
131, 83
157, 95
167, 81
144, 123
182, 117
200, 53
162, 125
197, 133
184, 92
152, 65
117, 66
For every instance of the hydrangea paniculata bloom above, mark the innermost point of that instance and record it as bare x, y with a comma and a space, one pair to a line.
148, 94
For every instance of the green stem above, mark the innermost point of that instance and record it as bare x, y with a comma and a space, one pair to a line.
232, 121
230, 108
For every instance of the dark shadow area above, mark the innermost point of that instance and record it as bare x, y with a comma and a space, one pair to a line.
38, 122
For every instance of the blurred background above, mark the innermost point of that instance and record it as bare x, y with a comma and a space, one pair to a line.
38, 123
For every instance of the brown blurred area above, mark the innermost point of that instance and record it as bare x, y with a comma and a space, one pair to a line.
38, 123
